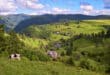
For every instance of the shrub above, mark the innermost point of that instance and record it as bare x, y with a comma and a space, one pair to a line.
4, 54
71, 61
69, 52
91, 65
64, 59
54, 73
76, 55
31, 55
63, 53
35, 55
85, 64
108, 69
74, 59
42, 56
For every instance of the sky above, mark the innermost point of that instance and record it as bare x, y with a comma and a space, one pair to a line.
39, 7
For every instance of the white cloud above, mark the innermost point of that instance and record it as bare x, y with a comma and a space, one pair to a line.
31, 4
7, 6
103, 12
53, 11
11, 6
61, 11
7, 13
86, 8
58, 10
98, 12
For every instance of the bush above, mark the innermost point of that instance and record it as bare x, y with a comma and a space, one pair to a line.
63, 53
64, 59
4, 54
85, 64
76, 55
31, 55
71, 61
108, 69
42, 56
74, 59
35, 55
92, 65
54, 73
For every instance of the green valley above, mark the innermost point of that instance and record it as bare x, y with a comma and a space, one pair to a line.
83, 48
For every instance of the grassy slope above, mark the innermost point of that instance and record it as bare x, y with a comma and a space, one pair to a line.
86, 27
26, 67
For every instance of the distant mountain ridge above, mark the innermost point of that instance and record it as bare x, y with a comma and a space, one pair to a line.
12, 20
21, 21
1, 21
49, 18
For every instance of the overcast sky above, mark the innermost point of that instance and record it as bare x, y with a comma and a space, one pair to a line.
38, 7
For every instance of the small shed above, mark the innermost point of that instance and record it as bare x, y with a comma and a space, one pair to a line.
15, 56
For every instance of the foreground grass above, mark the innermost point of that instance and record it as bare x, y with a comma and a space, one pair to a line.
26, 67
